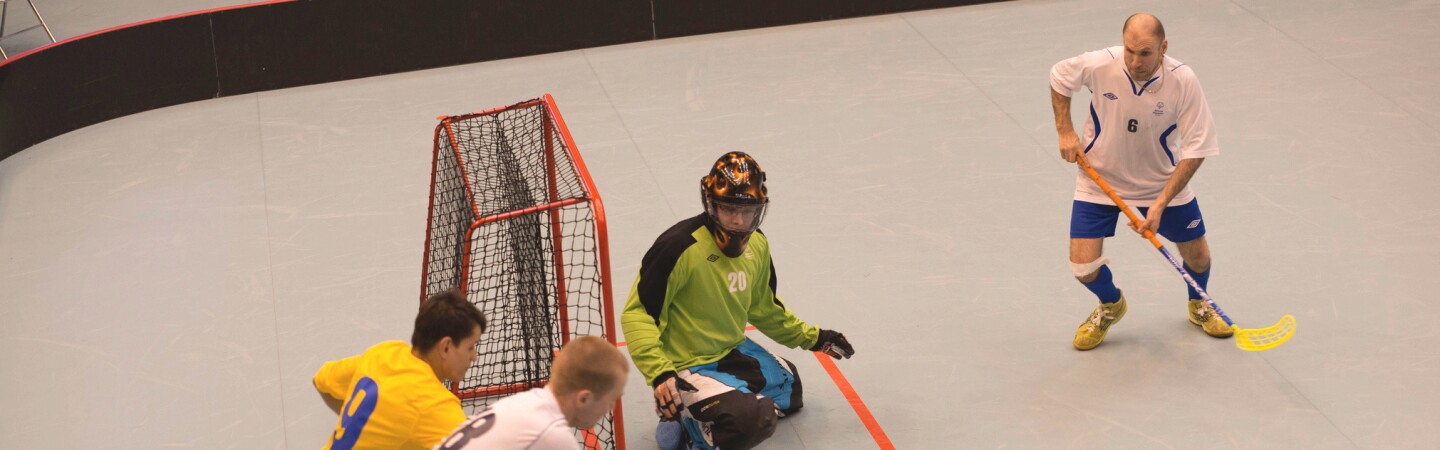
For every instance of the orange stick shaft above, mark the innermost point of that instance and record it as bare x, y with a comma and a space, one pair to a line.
1151, 236
1115, 197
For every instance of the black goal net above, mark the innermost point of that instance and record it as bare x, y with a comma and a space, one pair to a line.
515, 220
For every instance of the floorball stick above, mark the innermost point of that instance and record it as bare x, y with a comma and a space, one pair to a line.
1250, 339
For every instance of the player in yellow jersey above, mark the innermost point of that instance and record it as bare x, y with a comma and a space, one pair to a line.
395, 395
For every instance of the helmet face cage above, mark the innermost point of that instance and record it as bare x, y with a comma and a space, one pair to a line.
735, 199
743, 218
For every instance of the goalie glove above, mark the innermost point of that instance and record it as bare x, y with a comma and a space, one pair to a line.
667, 395
833, 343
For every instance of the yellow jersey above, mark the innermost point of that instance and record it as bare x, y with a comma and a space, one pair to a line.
393, 400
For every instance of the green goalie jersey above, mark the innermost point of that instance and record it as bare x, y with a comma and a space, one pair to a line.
690, 303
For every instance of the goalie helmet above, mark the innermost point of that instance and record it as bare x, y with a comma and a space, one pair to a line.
735, 201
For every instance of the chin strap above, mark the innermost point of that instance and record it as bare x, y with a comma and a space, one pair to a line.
735, 245
732, 244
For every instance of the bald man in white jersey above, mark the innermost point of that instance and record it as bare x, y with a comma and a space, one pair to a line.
1148, 130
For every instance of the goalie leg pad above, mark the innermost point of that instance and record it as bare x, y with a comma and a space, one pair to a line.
718, 415
738, 399
766, 374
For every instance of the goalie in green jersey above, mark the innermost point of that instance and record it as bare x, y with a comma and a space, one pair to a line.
700, 283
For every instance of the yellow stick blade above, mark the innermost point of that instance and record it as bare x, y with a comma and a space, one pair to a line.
1261, 339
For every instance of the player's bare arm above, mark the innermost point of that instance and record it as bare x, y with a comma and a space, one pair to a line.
1178, 180
1069, 142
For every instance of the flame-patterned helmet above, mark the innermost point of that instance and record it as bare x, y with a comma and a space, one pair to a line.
735, 200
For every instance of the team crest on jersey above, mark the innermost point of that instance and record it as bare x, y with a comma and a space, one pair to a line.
1159, 108
1110, 96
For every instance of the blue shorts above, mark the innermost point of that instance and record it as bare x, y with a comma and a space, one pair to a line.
1180, 223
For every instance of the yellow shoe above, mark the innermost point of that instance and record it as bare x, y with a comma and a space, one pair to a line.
1204, 315
1093, 330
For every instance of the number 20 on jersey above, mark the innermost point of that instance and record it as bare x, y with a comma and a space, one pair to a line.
737, 281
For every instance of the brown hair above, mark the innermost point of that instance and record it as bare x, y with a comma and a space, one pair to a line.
590, 363
445, 314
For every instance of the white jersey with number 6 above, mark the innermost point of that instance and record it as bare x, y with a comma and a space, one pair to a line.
528, 420
1136, 132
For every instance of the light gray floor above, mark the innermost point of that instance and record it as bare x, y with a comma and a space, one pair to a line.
174, 278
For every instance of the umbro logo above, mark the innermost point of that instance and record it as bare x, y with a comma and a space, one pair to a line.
713, 258
1110, 96
1193, 224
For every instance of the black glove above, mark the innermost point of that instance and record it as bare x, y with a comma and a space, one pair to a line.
667, 399
833, 343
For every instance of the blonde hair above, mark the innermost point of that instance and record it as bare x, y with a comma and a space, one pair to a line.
588, 363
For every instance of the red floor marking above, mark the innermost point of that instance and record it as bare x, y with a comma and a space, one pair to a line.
860, 410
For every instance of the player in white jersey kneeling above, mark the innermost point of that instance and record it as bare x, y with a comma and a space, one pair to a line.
1148, 130
587, 378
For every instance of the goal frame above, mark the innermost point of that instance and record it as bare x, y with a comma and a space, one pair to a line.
554, 125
